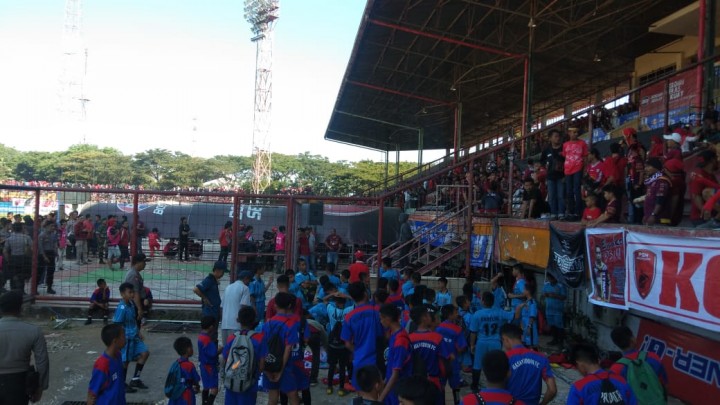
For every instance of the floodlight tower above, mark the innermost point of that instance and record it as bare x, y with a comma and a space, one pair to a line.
72, 99
262, 14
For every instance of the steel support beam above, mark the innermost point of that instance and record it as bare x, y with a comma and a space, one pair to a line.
400, 93
444, 39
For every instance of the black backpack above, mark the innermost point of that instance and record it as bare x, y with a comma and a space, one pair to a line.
609, 394
276, 351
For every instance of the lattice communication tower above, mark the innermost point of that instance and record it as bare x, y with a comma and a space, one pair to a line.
262, 15
72, 100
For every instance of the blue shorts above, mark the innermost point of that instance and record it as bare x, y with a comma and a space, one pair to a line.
134, 347
292, 379
209, 376
481, 348
248, 397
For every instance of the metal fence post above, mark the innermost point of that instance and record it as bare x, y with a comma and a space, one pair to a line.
35, 245
135, 221
381, 220
234, 240
290, 235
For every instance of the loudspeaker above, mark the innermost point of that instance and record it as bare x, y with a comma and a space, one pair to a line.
316, 214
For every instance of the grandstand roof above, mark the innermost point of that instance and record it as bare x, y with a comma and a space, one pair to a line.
409, 55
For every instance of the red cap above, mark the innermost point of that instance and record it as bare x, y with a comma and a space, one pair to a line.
359, 254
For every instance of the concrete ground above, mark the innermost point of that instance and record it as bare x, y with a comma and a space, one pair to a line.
74, 349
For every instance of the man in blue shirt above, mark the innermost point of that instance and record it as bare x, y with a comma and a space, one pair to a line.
258, 289
485, 333
209, 292
517, 296
306, 283
387, 271
361, 330
498, 291
408, 287
594, 384
528, 369
555, 294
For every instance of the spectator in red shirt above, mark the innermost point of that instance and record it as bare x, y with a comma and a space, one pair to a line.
358, 267
225, 238
656, 147
702, 185
591, 211
575, 151
673, 151
612, 207
304, 245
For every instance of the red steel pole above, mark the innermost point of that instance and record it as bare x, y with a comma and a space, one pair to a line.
526, 95
234, 240
700, 56
135, 219
470, 202
35, 245
381, 219
455, 135
290, 234
400, 93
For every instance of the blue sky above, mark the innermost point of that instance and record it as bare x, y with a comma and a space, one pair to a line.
154, 65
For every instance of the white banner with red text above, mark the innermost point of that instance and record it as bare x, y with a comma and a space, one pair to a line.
675, 278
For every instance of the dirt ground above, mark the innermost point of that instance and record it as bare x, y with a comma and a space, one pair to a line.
74, 348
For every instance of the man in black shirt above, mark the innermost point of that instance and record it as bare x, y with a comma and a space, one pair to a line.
532, 202
183, 239
554, 162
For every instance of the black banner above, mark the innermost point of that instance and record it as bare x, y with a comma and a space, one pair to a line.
567, 257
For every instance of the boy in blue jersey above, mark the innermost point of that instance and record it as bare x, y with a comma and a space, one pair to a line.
306, 283
99, 302
472, 297
485, 333
371, 385
208, 357
465, 315
287, 325
106, 383
386, 270
624, 339
528, 369
497, 369
408, 287
246, 318
209, 292
258, 289
594, 383
517, 296
344, 281
330, 273
443, 296
555, 295
455, 336
361, 330
429, 348
498, 291
395, 296
135, 349
529, 317
184, 348
415, 390
337, 354
399, 363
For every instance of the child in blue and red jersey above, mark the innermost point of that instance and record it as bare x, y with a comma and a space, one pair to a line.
399, 362
208, 357
497, 368
465, 315
454, 335
99, 302
589, 389
528, 369
624, 339
443, 296
529, 317
246, 319
361, 329
287, 325
429, 347
395, 297
106, 383
184, 348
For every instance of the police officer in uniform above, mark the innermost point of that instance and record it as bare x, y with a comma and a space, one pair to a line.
18, 256
18, 340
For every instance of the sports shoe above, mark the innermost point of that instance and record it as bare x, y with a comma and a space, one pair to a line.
51, 291
129, 389
341, 392
137, 383
329, 391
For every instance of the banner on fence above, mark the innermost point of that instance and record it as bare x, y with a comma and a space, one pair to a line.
675, 278
567, 257
481, 252
681, 103
691, 362
606, 261
526, 245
